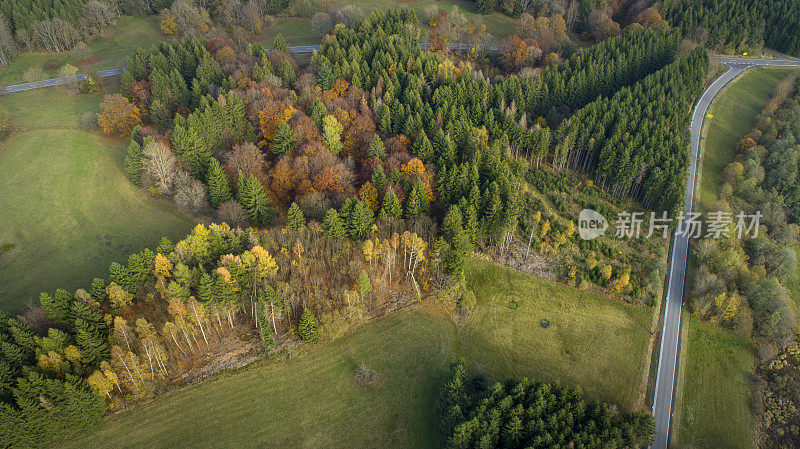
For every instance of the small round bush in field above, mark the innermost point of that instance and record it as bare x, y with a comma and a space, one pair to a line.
89, 121
81, 52
365, 375
33, 74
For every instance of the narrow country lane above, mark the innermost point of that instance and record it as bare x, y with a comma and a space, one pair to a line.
673, 300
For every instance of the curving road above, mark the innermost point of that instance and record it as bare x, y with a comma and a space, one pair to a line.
670, 335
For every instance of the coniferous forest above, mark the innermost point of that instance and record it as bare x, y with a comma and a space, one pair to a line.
732, 26
332, 190
530, 414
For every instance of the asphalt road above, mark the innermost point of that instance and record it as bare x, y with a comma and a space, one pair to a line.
673, 301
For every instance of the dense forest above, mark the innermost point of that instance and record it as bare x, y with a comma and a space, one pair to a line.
164, 312
530, 414
742, 283
340, 190
733, 26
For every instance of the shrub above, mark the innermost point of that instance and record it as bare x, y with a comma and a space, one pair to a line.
33, 74
70, 75
88, 121
365, 375
81, 52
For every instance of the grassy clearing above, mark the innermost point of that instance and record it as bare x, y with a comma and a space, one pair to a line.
67, 208
110, 50
590, 341
733, 113
314, 401
716, 397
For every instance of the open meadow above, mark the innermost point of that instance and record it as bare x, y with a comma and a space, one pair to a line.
314, 400
733, 112
67, 208
716, 396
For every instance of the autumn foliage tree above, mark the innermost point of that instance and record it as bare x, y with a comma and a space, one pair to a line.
118, 116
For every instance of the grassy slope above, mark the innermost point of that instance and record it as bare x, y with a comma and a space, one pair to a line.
313, 401
66, 206
110, 50
733, 113
716, 397
716, 392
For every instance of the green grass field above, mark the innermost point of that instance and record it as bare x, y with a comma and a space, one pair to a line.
716, 409
67, 208
313, 400
110, 50
733, 113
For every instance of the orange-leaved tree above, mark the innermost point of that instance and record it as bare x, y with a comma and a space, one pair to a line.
118, 116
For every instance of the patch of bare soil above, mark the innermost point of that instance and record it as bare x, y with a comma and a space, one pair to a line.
522, 259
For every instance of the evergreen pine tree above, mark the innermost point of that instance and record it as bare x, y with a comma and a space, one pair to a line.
422, 148
359, 221
391, 205
92, 341
318, 113
286, 73
485, 6
295, 218
280, 44
376, 150
417, 202
332, 224
219, 187
325, 75
385, 119
126, 82
254, 201
57, 306
283, 140
160, 115
307, 328
133, 163
379, 179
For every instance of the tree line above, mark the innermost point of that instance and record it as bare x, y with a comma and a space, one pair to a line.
154, 318
733, 26
636, 143
531, 414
